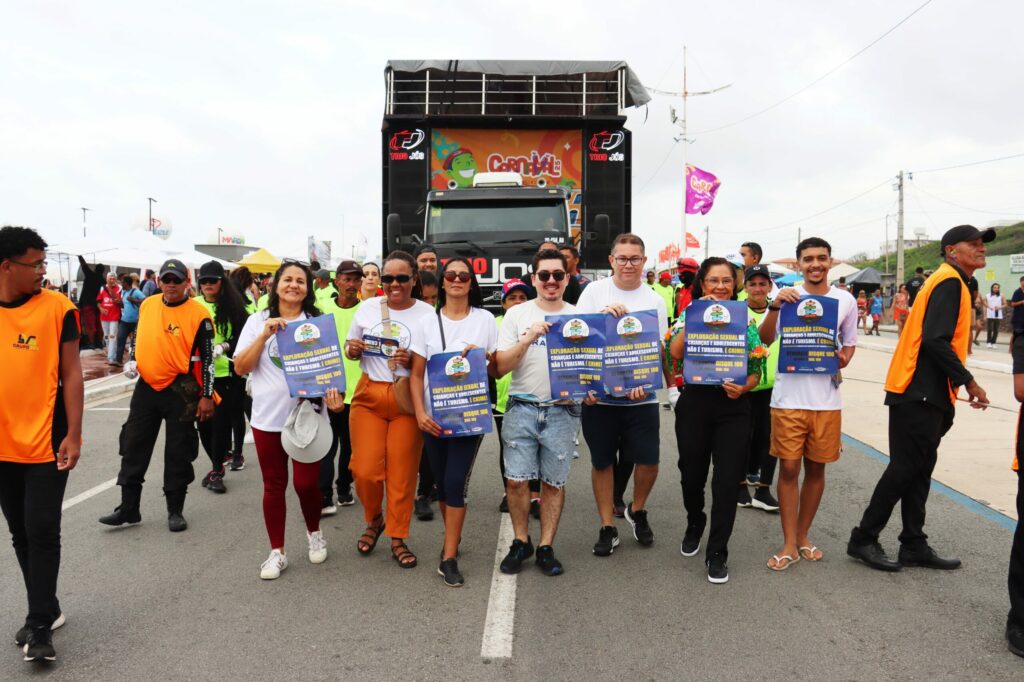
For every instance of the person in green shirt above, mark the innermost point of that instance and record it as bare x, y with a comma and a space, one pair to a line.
757, 283
665, 289
221, 297
343, 305
324, 289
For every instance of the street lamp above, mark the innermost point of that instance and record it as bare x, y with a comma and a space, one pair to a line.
151, 202
84, 209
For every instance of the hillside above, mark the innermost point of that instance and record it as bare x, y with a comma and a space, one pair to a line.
1008, 240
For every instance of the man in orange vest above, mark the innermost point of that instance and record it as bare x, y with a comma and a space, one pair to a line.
925, 373
1015, 619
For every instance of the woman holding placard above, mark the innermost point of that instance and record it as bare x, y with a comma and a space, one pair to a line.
291, 299
460, 325
710, 423
386, 441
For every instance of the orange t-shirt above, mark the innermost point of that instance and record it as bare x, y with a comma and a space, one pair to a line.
32, 421
165, 338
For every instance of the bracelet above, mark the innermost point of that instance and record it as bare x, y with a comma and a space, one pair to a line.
776, 308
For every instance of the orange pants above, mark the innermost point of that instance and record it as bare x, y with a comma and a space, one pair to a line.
386, 449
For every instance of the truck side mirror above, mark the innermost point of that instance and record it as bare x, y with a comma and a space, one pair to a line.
602, 228
394, 230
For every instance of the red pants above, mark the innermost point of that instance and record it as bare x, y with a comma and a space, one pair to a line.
274, 465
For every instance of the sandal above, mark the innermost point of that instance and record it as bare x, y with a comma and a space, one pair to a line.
401, 554
368, 540
808, 553
779, 565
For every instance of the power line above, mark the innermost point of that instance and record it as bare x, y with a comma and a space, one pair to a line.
819, 78
966, 208
660, 166
972, 163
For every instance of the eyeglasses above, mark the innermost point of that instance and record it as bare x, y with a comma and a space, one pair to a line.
630, 260
209, 280
38, 266
545, 275
401, 279
461, 276
724, 282
171, 279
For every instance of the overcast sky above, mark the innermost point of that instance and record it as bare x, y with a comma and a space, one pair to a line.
263, 118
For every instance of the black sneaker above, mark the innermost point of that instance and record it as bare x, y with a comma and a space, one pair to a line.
764, 500
547, 562
607, 541
345, 499
535, 508
503, 507
1015, 639
214, 482
743, 499
718, 571
176, 522
237, 462
121, 516
641, 529
39, 645
423, 509
518, 553
449, 570
691, 541
21, 636
618, 509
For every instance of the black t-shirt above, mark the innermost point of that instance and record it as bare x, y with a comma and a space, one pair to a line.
914, 286
972, 288
1018, 312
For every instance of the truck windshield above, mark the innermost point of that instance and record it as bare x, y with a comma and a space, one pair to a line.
491, 219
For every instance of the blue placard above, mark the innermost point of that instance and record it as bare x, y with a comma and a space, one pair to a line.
632, 355
459, 401
379, 346
715, 350
311, 357
807, 343
575, 355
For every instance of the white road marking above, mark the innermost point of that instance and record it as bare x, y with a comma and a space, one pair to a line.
91, 492
501, 606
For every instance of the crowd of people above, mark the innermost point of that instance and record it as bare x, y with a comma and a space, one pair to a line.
207, 361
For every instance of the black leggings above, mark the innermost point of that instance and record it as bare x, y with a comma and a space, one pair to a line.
993, 329
451, 460
760, 464
240, 414
709, 428
341, 443
215, 434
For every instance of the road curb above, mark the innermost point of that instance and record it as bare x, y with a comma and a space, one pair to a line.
99, 391
989, 365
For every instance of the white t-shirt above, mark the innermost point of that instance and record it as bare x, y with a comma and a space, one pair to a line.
814, 391
367, 322
271, 400
994, 310
530, 379
478, 329
603, 293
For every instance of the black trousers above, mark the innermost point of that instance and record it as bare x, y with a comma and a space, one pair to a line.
709, 428
1016, 576
31, 497
341, 443
915, 431
760, 463
175, 406
215, 434
993, 329
239, 415
534, 483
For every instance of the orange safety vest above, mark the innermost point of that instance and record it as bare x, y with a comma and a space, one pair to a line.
904, 359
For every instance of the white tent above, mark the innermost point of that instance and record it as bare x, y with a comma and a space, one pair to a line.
134, 250
841, 270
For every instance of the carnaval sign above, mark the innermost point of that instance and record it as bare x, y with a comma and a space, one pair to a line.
701, 188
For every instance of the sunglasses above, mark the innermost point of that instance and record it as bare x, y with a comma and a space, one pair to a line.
293, 261
401, 279
209, 280
545, 275
171, 279
461, 276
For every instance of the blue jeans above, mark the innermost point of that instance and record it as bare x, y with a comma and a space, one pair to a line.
124, 330
539, 441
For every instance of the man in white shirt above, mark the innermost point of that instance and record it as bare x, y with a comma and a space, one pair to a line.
538, 432
627, 428
807, 409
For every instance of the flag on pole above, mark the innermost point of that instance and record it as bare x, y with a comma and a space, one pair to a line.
701, 188
691, 241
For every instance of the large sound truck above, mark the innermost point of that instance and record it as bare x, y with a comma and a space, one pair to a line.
487, 159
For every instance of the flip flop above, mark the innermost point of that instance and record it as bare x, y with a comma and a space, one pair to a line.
779, 566
808, 553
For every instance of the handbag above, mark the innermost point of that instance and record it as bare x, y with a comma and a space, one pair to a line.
400, 385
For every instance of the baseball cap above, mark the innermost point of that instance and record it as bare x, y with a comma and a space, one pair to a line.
755, 270
173, 266
965, 233
210, 270
665, 275
688, 264
349, 267
512, 285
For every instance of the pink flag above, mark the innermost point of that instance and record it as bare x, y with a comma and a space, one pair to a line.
701, 188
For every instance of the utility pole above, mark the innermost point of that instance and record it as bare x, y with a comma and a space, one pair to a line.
899, 231
84, 225
151, 202
887, 216
799, 234
707, 239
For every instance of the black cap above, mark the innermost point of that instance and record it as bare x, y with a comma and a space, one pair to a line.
211, 270
173, 266
424, 248
758, 269
349, 267
322, 274
965, 233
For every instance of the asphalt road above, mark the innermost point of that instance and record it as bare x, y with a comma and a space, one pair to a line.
142, 602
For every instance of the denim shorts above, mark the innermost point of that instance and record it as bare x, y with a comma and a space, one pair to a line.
539, 441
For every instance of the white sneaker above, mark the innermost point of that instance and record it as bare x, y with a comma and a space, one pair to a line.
272, 567
317, 547
248, 439
329, 510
